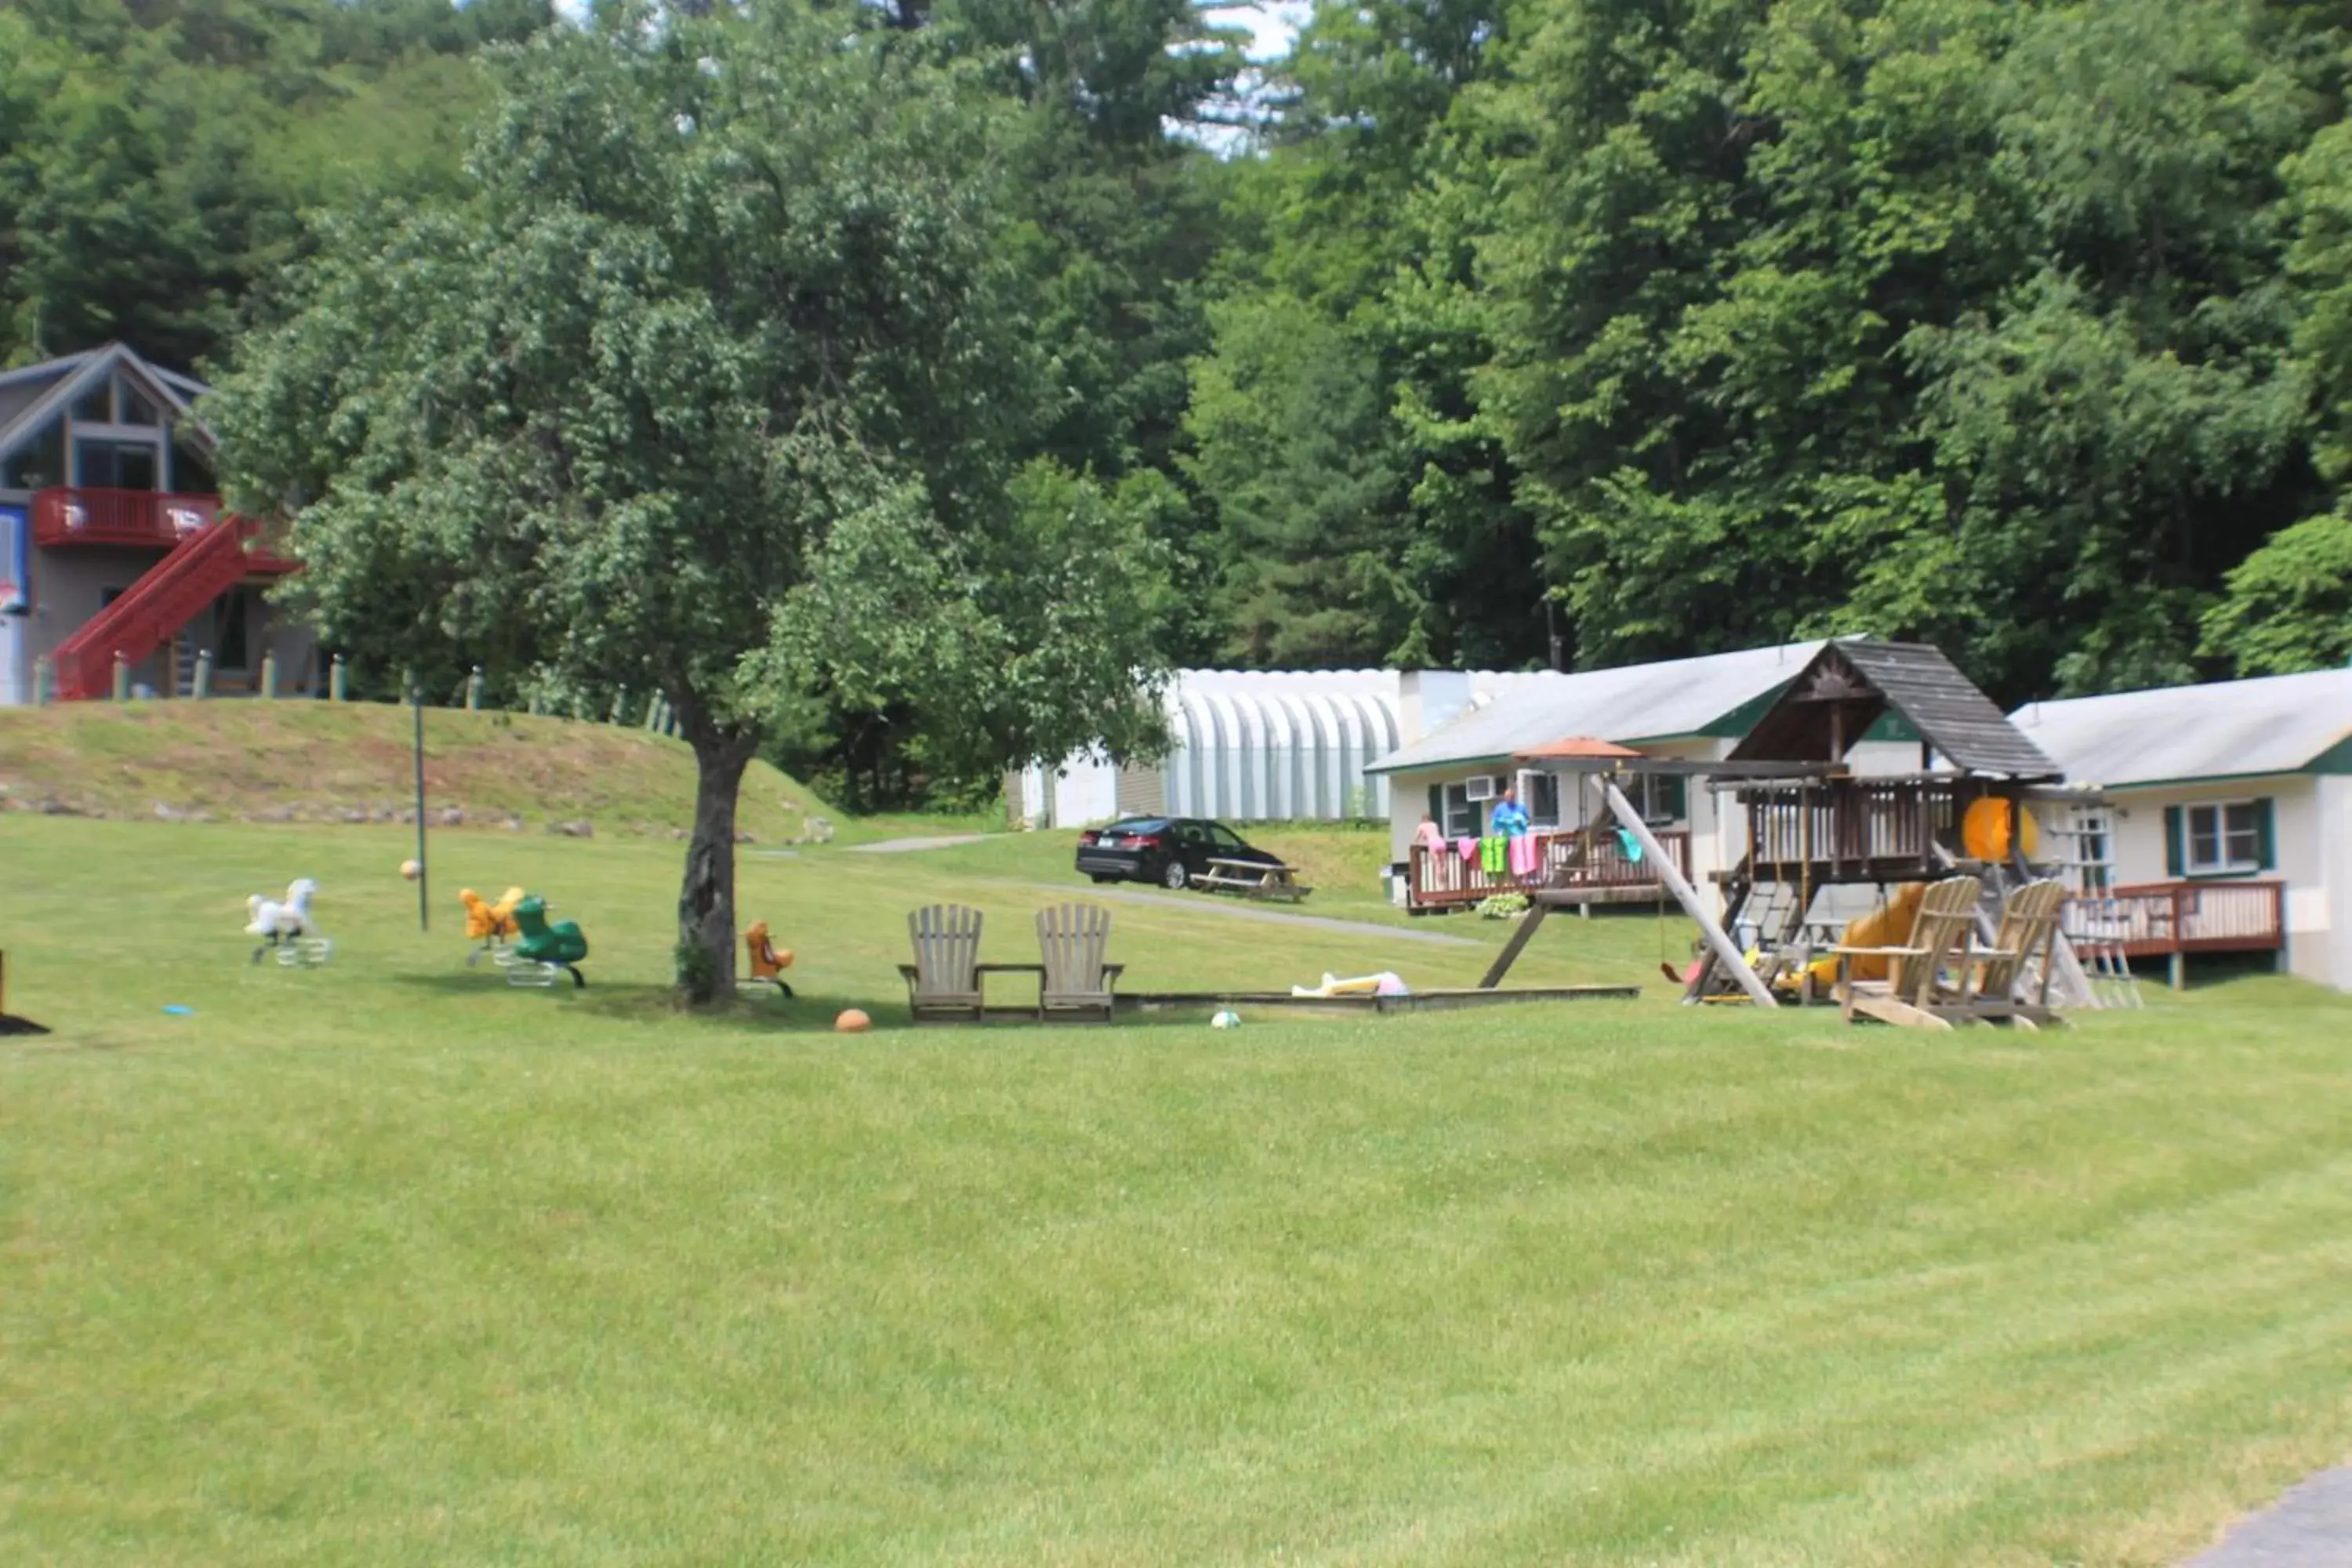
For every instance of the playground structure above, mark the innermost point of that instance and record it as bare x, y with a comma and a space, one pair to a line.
1815, 833
1813, 827
544, 952
284, 927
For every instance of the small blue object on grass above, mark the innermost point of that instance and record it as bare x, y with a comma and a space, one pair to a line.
178, 1009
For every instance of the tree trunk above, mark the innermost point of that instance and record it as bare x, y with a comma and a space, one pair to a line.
706, 901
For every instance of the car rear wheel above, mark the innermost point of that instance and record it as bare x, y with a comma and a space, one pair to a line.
1100, 879
1171, 875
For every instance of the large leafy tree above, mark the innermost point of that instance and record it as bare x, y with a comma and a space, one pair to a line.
1364, 512
1931, 317
154, 159
712, 385
2289, 605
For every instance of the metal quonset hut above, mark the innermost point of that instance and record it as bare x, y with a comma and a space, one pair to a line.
1247, 746
1280, 745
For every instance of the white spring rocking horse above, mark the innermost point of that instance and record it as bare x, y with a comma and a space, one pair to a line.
285, 928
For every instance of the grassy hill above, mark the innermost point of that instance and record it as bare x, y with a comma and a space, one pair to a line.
317, 761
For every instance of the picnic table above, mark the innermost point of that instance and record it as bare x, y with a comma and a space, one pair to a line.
1253, 879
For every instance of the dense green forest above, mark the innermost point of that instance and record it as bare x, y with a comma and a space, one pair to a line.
1471, 332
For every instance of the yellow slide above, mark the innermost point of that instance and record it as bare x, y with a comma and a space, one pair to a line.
1889, 925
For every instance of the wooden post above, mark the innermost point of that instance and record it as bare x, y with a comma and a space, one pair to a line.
1517, 944
121, 677
620, 706
202, 687
473, 690
44, 680
416, 700
2179, 964
268, 674
337, 688
1671, 875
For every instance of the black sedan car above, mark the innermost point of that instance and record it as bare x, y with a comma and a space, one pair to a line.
1168, 850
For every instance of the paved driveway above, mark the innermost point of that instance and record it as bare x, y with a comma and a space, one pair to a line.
2310, 1527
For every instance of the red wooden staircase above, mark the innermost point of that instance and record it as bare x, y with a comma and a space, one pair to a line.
203, 566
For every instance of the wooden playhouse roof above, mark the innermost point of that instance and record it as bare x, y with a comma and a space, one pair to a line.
1850, 685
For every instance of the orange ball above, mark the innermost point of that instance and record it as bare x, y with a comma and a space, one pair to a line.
852, 1022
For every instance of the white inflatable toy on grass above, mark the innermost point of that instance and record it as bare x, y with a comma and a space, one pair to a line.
285, 926
1381, 984
1225, 1018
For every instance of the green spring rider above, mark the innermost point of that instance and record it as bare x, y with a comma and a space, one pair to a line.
542, 952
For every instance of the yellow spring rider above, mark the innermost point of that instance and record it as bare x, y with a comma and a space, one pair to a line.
492, 925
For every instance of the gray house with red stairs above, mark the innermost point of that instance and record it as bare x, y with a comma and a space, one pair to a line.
113, 542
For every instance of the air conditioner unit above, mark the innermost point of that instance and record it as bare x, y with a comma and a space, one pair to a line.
1480, 788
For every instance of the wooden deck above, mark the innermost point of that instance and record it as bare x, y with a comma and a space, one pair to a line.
2162, 920
1578, 872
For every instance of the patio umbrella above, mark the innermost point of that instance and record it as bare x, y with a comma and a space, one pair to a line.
1577, 749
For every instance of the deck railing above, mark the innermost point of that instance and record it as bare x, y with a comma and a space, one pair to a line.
1853, 820
2156, 919
152, 519
1596, 861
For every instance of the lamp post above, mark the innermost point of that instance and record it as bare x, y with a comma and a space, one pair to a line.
416, 705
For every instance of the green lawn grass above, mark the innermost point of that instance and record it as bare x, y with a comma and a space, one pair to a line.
388, 1263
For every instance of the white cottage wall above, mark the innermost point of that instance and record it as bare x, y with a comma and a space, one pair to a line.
2332, 811
2301, 848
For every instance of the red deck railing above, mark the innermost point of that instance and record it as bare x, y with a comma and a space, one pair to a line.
209, 562
2156, 919
149, 519
1438, 877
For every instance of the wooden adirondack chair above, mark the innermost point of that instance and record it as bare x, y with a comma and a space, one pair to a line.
1072, 939
944, 979
2029, 929
1912, 993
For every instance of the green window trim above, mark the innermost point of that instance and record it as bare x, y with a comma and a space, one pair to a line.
2180, 836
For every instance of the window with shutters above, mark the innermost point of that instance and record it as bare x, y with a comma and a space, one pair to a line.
2226, 837
1456, 812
